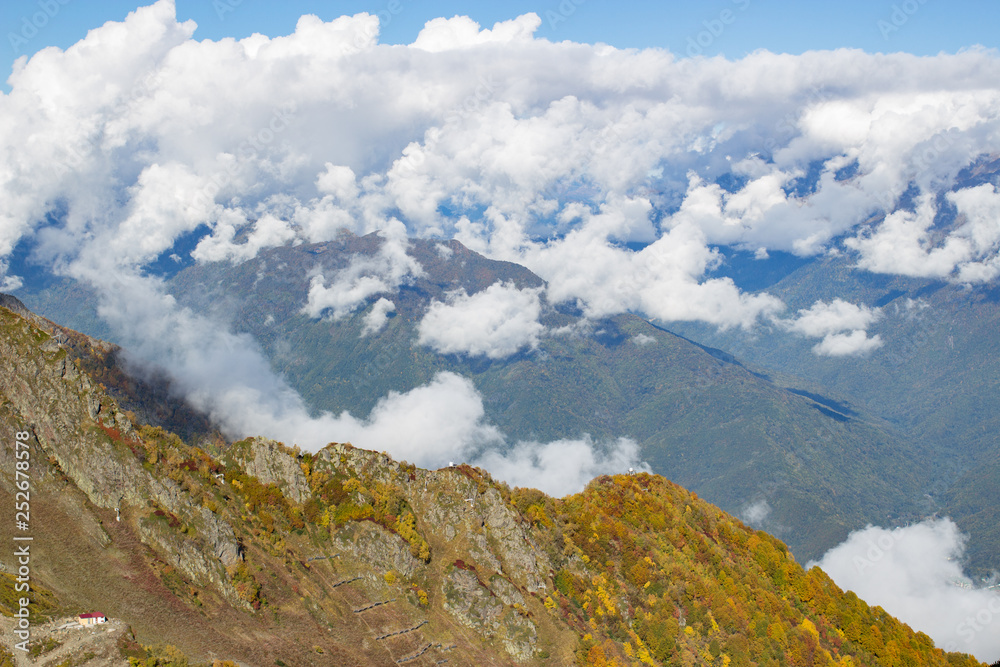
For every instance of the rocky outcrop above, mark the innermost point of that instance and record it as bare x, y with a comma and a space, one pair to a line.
81, 429
471, 602
497, 535
505, 591
271, 463
475, 606
382, 550
220, 538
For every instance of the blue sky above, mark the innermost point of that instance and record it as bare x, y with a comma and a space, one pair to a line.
730, 27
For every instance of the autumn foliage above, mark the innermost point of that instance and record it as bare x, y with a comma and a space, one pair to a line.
651, 575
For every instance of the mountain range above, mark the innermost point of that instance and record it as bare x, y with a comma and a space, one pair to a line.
206, 551
818, 466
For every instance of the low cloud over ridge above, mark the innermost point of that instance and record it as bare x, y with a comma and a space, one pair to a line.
915, 574
599, 169
840, 324
497, 322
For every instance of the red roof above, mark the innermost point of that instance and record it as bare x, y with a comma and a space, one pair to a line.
93, 614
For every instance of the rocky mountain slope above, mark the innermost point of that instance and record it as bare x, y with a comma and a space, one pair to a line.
257, 553
701, 417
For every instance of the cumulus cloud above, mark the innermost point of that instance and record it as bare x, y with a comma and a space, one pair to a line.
905, 243
915, 574
613, 174
429, 424
364, 277
496, 322
564, 466
378, 316
840, 324
460, 32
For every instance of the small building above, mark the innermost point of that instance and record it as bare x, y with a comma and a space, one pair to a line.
93, 618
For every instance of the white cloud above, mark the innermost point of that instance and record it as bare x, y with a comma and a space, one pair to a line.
594, 167
338, 181
915, 574
642, 340
443, 34
901, 245
825, 318
366, 276
378, 316
905, 243
840, 324
429, 425
756, 513
561, 467
856, 342
497, 322
444, 251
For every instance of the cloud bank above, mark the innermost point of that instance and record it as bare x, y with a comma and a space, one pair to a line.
497, 322
915, 574
615, 175
840, 324
563, 466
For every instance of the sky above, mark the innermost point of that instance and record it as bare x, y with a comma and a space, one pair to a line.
611, 152
921, 27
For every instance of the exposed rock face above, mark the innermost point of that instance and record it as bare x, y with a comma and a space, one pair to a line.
476, 607
498, 535
375, 545
506, 591
470, 602
220, 537
82, 429
270, 462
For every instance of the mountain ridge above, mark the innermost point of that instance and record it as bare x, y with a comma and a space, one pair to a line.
701, 416
257, 552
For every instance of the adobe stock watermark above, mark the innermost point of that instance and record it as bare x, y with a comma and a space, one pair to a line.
473, 103
901, 13
877, 549
714, 28
33, 23
249, 149
22, 541
562, 12
223, 7
971, 626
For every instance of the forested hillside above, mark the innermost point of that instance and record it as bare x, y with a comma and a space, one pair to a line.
258, 552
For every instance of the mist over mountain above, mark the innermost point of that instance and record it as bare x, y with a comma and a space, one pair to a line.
258, 553
772, 279
606, 393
